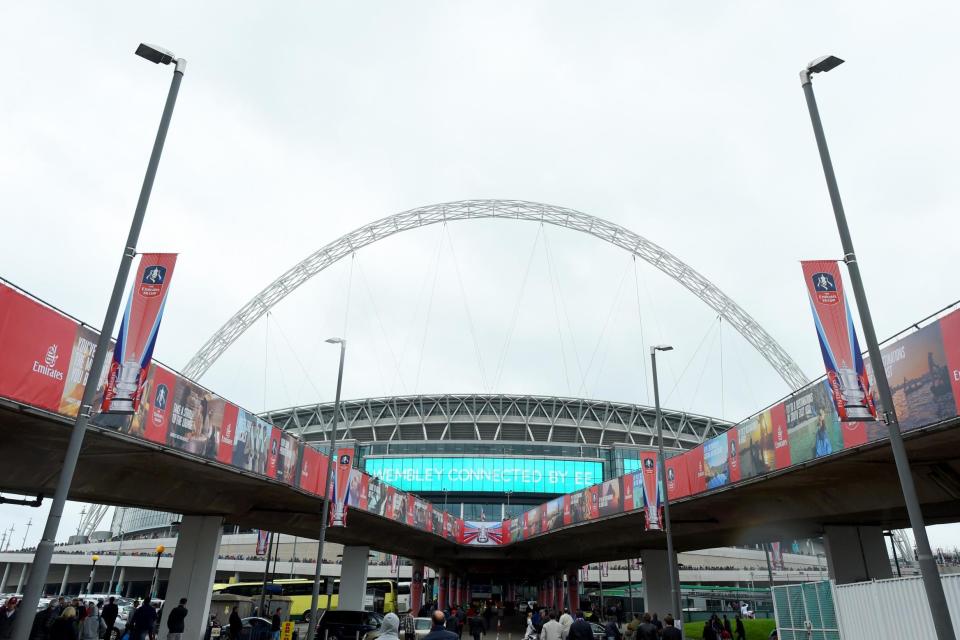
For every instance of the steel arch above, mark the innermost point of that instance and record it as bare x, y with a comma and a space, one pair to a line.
502, 209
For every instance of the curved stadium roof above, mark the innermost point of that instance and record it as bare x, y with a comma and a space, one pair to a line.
497, 417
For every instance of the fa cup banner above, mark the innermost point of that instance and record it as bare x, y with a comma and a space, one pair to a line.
263, 540
846, 373
652, 502
138, 333
341, 487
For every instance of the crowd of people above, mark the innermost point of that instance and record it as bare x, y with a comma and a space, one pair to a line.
74, 619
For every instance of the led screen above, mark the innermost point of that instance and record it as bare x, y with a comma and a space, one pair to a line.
490, 475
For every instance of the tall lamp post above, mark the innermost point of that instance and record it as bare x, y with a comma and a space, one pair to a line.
155, 583
93, 567
936, 600
44, 553
325, 513
671, 557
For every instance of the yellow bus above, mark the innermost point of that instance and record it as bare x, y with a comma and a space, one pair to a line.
382, 594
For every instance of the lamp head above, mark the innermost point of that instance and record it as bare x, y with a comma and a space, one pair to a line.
660, 347
155, 54
95, 557
160, 549
824, 64
335, 340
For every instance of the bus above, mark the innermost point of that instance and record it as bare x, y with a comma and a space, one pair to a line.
382, 596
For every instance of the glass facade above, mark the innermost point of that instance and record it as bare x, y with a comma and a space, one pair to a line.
485, 475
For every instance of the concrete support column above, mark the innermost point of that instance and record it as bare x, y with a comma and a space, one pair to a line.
573, 589
353, 577
442, 578
558, 592
6, 574
23, 578
551, 593
656, 582
856, 554
454, 590
118, 588
416, 587
192, 573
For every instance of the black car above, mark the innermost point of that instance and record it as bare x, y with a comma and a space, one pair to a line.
342, 624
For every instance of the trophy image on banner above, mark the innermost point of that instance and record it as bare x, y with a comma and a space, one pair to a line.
341, 488
138, 333
842, 359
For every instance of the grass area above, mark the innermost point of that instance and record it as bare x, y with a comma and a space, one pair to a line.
756, 629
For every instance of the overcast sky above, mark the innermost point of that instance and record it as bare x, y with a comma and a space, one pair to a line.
299, 122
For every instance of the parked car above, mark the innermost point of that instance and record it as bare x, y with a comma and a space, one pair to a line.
255, 629
343, 624
599, 632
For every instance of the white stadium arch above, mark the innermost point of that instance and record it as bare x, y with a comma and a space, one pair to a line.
508, 210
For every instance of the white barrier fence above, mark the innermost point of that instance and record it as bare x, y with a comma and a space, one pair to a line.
895, 608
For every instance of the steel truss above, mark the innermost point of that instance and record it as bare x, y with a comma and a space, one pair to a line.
501, 209
496, 417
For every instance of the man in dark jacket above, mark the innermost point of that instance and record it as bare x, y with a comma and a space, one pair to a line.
670, 632
580, 630
144, 619
275, 623
478, 626
110, 613
438, 631
175, 620
7, 616
647, 630
236, 625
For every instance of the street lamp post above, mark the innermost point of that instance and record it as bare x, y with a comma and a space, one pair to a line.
93, 567
671, 557
155, 583
325, 513
44, 553
936, 600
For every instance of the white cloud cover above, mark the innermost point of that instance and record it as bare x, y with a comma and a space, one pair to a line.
299, 122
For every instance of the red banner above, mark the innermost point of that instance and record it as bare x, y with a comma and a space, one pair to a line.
263, 539
138, 333
678, 485
950, 332
652, 504
36, 350
781, 438
341, 489
228, 433
696, 475
733, 456
838, 341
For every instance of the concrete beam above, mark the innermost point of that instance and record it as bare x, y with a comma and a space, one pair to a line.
856, 554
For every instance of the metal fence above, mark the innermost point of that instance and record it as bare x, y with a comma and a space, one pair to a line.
892, 608
806, 612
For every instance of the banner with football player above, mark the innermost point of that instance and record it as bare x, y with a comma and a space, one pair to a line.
138, 333
341, 487
838, 341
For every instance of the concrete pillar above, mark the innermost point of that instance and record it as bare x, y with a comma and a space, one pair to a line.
551, 593
454, 590
236, 576
416, 587
6, 574
558, 591
856, 554
573, 589
63, 583
23, 579
442, 579
191, 576
353, 577
118, 588
656, 582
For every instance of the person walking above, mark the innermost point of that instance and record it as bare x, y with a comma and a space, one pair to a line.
276, 622
390, 627
92, 626
670, 632
144, 621
738, 625
552, 629
531, 632
40, 630
175, 621
646, 630
110, 613
478, 626
612, 629
408, 625
438, 631
7, 617
727, 629
236, 625
565, 621
63, 627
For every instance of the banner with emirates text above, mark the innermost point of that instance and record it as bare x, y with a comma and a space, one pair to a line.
138, 333
838, 341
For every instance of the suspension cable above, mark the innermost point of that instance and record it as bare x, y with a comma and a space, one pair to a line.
710, 328
466, 307
426, 320
556, 311
603, 332
563, 307
643, 342
383, 332
502, 361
